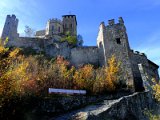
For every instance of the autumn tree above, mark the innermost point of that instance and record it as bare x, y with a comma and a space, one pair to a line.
112, 71
84, 78
99, 83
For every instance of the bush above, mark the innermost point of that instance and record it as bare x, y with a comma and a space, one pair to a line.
70, 39
22, 77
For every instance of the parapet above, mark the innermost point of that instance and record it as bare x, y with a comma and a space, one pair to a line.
8, 16
55, 20
13, 17
138, 53
121, 21
111, 22
102, 24
69, 16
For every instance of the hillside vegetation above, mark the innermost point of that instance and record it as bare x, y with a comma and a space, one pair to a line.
25, 78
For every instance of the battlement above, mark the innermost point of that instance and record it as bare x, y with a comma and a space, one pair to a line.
69, 16
121, 21
138, 53
11, 17
55, 20
112, 21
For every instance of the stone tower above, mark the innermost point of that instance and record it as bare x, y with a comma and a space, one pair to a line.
54, 27
10, 28
113, 39
70, 24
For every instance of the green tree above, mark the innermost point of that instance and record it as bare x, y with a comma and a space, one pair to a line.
70, 39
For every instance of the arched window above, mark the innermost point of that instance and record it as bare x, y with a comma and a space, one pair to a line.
59, 29
52, 28
100, 44
70, 25
65, 25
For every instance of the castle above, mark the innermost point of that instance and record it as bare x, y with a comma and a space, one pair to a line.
58, 27
137, 69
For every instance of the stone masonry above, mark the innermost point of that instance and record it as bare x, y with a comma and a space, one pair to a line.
112, 39
10, 27
57, 27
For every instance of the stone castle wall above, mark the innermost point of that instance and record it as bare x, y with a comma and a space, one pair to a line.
137, 58
77, 56
84, 55
70, 24
112, 39
151, 69
10, 28
50, 47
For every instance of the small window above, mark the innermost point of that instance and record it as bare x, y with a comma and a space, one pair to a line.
52, 28
100, 44
118, 40
59, 29
70, 25
65, 25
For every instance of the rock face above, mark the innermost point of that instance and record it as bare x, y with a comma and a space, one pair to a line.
67, 103
130, 107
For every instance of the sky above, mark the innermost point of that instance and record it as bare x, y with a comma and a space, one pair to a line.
142, 18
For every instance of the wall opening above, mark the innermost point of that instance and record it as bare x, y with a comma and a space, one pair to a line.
52, 28
70, 25
59, 29
118, 40
65, 25
100, 44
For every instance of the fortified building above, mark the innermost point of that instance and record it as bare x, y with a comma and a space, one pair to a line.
137, 69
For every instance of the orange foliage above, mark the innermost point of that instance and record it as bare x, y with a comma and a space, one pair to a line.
84, 78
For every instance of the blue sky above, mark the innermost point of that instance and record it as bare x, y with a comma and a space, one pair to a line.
142, 18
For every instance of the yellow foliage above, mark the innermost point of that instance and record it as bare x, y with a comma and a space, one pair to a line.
99, 86
156, 89
84, 78
112, 71
151, 115
3, 49
14, 53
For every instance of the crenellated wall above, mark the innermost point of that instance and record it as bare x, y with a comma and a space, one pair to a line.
10, 28
112, 40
